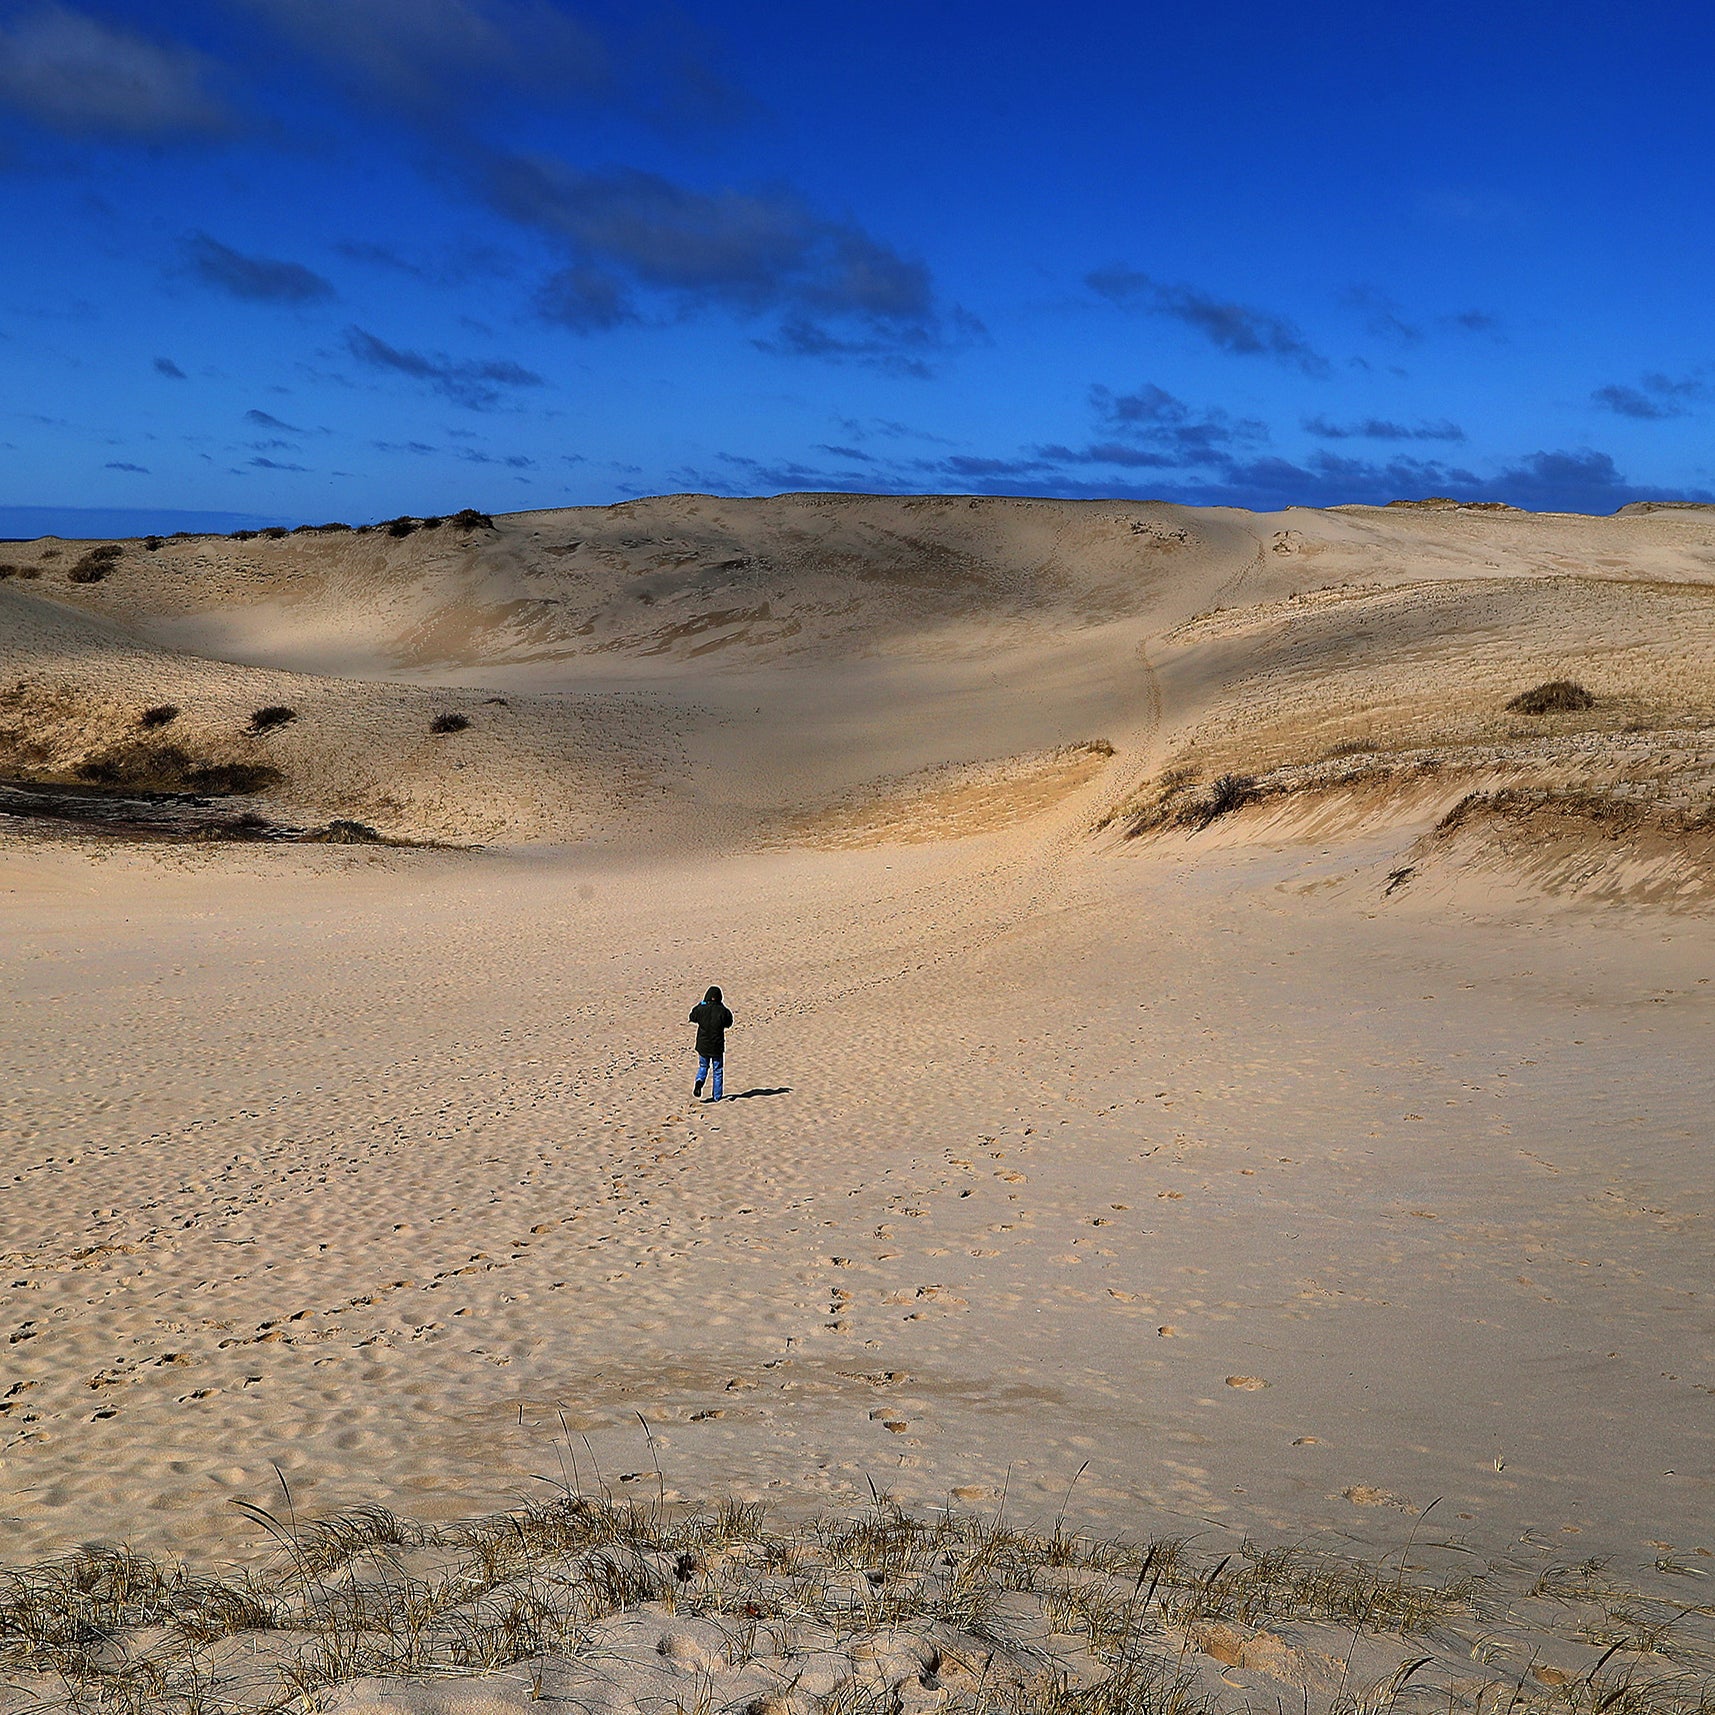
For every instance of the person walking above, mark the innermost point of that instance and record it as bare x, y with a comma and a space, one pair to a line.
712, 1019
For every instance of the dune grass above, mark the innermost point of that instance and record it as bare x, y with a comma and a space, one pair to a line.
987, 1608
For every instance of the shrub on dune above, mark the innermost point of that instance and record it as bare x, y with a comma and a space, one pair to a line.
96, 564
1557, 696
449, 723
275, 715
162, 714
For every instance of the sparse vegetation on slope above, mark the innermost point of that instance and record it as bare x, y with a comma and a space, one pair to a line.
611, 1606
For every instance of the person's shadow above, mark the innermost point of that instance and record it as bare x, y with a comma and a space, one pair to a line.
745, 1095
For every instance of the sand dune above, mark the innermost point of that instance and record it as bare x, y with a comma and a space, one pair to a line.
1291, 1153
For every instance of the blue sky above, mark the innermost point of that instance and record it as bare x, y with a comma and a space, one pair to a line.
298, 260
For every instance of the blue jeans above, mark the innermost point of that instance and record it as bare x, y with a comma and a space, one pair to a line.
703, 1065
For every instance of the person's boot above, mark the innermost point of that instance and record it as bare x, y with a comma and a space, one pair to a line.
697, 1088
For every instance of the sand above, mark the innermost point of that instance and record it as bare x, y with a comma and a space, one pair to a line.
1275, 1176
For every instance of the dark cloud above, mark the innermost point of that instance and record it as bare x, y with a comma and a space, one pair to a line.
1472, 321
1154, 415
1583, 481
438, 55
586, 299
382, 256
839, 292
1660, 397
259, 279
456, 264
508, 461
437, 59
263, 420
1382, 429
115, 464
85, 78
1382, 316
166, 366
474, 383
418, 447
1239, 328
797, 336
262, 463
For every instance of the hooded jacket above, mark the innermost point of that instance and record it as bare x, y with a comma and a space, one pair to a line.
711, 1017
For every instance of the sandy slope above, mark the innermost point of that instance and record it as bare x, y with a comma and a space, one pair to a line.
1288, 1194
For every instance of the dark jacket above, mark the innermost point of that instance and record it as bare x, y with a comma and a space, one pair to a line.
711, 1018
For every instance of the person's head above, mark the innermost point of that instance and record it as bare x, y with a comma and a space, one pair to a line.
713, 994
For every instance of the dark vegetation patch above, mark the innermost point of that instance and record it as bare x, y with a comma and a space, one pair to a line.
449, 723
274, 715
133, 766
242, 536
468, 518
96, 564
169, 816
346, 833
1614, 816
1558, 696
398, 526
497, 702
153, 543
275, 532
162, 714
1180, 802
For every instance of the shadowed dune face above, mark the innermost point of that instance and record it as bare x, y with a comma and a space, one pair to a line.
692, 669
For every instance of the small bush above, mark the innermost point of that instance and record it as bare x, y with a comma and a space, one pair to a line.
449, 723
7, 571
242, 536
325, 528
430, 524
153, 544
1230, 792
399, 526
343, 833
468, 518
162, 714
275, 532
1558, 696
27, 572
497, 702
275, 715
96, 564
